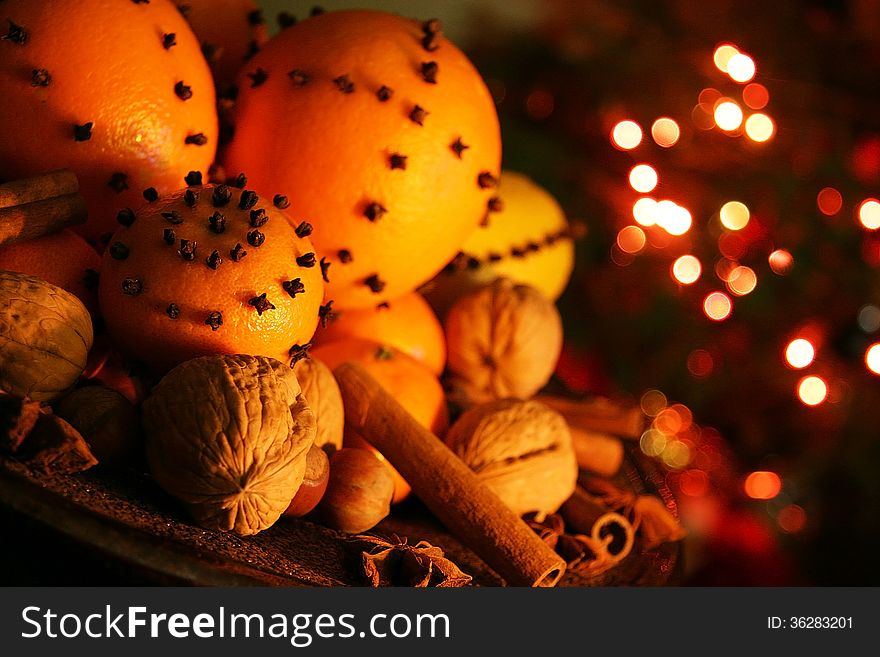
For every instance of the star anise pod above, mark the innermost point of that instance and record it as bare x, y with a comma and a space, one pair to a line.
391, 561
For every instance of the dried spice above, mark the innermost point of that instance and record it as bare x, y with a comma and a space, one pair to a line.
198, 139
326, 314
18, 416
40, 77
82, 132
237, 252
417, 115
316, 11
397, 161
458, 147
173, 311
168, 40
221, 196
280, 201
375, 283
374, 211
16, 34
303, 230
429, 71
261, 303
191, 197
258, 217
132, 286
53, 446
298, 77
150, 193
392, 561
325, 266
297, 352
187, 249
215, 320
384, 93
258, 77
344, 84
255, 238
173, 217
345, 256
182, 91
486, 180
253, 49
168, 236
118, 251
193, 178
125, 217
248, 199
211, 52
255, 17
214, 260
240, 181
306, 260
217, 222
285, 20
294, 287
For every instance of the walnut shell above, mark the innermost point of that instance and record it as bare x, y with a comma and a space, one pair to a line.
321, 391
222, 437
521, 449
45, 337
504, 341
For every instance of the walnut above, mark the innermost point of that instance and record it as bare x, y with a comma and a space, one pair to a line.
321, 391
223, 438
503, 341
45, 337
521, 449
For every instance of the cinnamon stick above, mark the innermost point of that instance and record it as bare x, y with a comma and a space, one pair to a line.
453, 493
599, 415
41, 205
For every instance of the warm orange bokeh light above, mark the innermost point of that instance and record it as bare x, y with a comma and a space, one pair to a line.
643, 178
693, 483
742, 280
723, 54
728, 115
756, 96
734, 215
792, 519
631, 239
741, 67
799, 353
717, 306
872, 358
812, 390
762, 485
626, 135
760, 128
781, 261
829, 201
644, 211
665, 132
652, 402
686, 269
869, 213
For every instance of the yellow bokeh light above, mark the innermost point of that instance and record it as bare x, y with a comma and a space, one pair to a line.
869, 213
734, 215
643, 178
812, 390
626, 135
872, 358
741, 67
760, 128
723, 54
676, 455
652, 402
631, 239
781, 261
686, 269
717, 306
742, 280
665, 132
652, 442
728, 115
799, 353
644, 211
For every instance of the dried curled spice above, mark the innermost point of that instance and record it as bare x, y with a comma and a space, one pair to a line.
193, 178
16, 34
417, 115
428, 71
221, 196
280, 201
255, 238
258, 217
306, 260
118, 251
215, 320
240, 181
173, 311
237, 252
390, 561
261, 303
303, 230
344, 84
297, 352
191, 197
169, 40
198, 139
183, 91
187, 249
375, 283
150, 193
214, 260
374, 211
248, 199
132, 286
125, 217
298, 77
258, 77
294, 287
217, 222
118, 182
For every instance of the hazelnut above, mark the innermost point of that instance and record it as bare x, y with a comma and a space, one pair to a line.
107, 420
314, 483
359, 492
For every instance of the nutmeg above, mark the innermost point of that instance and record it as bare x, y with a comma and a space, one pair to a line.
522, 450
503, 340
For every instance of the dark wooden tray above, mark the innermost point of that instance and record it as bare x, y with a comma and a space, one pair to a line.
103, 527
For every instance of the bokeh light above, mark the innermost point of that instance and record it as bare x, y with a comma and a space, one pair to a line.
781, 261
812, 390
700, 363
742, 280
717, 306
799, 353
760, 128
734, 215
869, 318
652, 442
723, 54
829, 201
869, 213
652, 402
686, 269
626, 135
643, 178
872, 358
724, 267
631, 239
792, 518
644, 211
762, 485
693, 483
676, 455
540, 104
741, 67
673, 218
665, 132
755, 96
728, 115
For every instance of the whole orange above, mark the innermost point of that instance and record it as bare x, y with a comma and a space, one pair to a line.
64, 259
117, 91
231, 32
410, 382
210, 270
384, 136
407, 323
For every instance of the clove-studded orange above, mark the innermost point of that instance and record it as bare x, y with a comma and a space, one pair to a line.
383, 134
210, 269
117, 90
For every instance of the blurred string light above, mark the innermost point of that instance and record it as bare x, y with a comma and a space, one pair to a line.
734, 215
742, 280
643, 211
829, 201
717, 306
869, 213
812, 390
686, 269
700, 363
780, 261
762, 485
792, 518
869, 318
728, 115
799, 353
872, 358
626, 135
665, 132
643, 178
673, 218
760, 128
723, 54
631, 239
741, 67
755, 96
